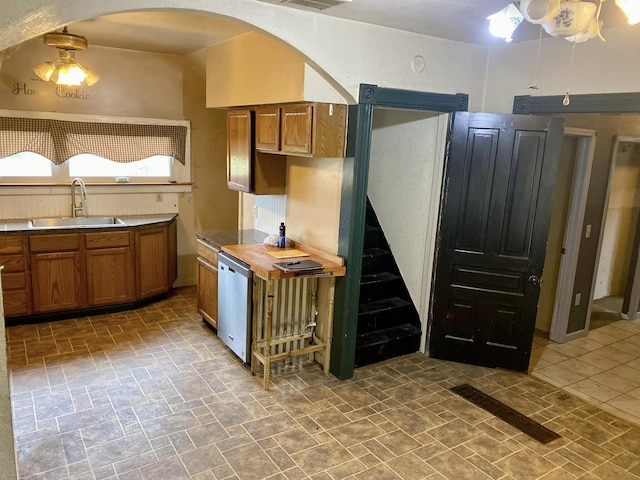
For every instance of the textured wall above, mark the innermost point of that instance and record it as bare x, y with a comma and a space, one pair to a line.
349, 53
401, 175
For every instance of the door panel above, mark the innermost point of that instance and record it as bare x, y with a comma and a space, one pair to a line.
494, 224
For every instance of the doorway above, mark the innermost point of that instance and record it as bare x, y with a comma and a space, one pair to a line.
615, 273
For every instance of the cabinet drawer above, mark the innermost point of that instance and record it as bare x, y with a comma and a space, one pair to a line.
207, 252
14, 281
54, 243
107, 239
16, 302
11, 244
13, 263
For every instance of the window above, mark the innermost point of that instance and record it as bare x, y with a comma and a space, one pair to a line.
87, 165
121, 149
26, 164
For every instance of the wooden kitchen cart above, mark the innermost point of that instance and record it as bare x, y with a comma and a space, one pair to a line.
293, 297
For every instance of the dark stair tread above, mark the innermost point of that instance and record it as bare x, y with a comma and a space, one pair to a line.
372, 278
379, 337
375, 251
382, 305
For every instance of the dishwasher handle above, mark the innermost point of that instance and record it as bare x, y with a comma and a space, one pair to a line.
234, 265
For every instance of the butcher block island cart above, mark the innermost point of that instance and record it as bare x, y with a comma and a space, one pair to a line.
285, 322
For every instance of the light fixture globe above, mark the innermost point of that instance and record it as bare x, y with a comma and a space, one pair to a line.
539, 11
572, 19
502, 24
66, 70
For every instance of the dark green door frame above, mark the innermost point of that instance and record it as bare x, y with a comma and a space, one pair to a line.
584, 103
355, 175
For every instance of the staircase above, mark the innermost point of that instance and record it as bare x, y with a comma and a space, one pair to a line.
388, 322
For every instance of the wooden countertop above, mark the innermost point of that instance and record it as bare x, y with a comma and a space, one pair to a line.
262, 264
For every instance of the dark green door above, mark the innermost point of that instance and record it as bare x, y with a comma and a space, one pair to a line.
499, 183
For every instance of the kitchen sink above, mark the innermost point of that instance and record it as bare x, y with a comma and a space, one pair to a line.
75, 222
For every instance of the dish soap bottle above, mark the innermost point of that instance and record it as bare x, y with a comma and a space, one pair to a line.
282, 241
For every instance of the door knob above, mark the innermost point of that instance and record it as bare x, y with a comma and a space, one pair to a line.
534, 280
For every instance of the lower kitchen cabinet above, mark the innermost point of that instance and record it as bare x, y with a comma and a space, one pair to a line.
207, 281
208, 292
152, 264
57, 281
109, 263
59, 272
15, 276
109, 276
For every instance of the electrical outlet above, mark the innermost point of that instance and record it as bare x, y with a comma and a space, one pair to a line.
255, 211
587, 232
158, 197
578, 299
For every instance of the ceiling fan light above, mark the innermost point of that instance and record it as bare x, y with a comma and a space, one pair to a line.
70, 74
65, 70
502, 24
91, 77
631, 9
45, 70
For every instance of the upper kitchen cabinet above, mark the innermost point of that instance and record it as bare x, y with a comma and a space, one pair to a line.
308, 129
239, 149
248, 170
268, 129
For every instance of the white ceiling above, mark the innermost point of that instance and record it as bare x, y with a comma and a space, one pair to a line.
184, 33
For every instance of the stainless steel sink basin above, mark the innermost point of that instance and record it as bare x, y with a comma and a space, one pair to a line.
75, 222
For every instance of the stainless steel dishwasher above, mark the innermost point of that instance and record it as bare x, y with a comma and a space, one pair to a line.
234, 304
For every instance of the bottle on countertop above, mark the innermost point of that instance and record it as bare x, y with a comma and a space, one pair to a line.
282, 240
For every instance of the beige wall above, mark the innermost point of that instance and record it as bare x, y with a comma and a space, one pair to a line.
313, 201
254, 69
127, 88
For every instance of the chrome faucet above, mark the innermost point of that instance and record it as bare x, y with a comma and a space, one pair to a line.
78, 209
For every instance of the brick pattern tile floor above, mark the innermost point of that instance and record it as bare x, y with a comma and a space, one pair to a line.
152, 394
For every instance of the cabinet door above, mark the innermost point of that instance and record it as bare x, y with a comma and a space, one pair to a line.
109, 276
57, 281
268, 129
239, 150
296, 129
15, 277
152, 270
208, 292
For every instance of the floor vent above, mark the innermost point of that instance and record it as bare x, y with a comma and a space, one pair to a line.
514, 418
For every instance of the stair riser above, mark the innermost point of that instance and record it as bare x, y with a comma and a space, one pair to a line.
373, 238
369, 322
383, 289
369, 354
377, 263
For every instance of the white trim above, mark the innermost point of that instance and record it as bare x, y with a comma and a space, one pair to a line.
573, 231
63, 189
82, 117
433, 217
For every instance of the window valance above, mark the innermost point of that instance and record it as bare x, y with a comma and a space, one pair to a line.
59, 140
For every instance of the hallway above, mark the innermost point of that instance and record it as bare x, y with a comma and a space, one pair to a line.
602, 368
